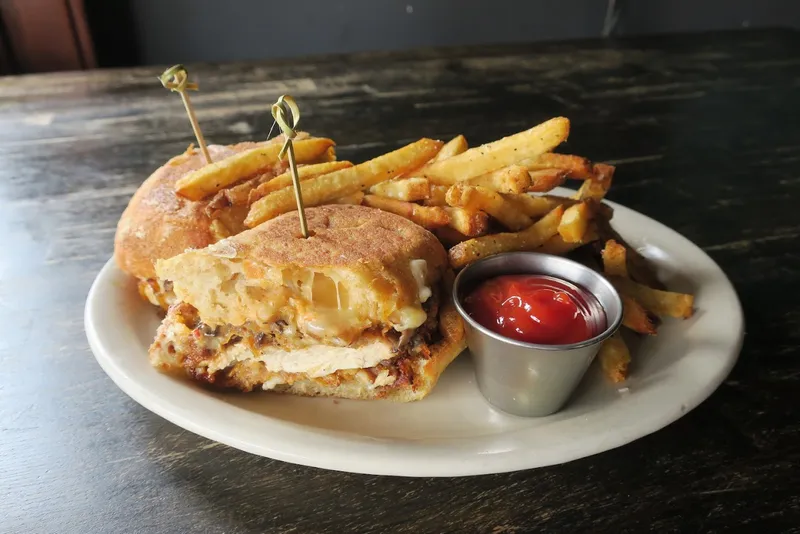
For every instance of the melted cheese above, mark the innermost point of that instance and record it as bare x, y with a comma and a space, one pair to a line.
408, 318
419, 269
334, 305
339, 326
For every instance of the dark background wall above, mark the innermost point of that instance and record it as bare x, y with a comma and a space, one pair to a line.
168, 31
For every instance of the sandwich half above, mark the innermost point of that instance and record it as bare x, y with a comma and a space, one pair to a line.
361, 309
158, 223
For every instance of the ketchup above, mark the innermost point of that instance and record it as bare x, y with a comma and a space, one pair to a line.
533, 309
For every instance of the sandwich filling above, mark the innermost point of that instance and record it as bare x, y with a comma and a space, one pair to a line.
250, 356
157, 293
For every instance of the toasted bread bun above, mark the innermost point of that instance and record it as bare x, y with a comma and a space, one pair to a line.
361, 268
158, 223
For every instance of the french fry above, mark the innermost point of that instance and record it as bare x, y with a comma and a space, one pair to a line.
529, 239
590, 189
304, 172
558, 247
575, 222
530, 205
601, 209
438, 196
470, 223
511, 179
356, 198
213, 177
450, 236
453, 147
576, 167
408, 189
615, 358
546, 180
635, 317
614, 259
327, 187
597, 187
639, 269
239, 194
426, 216
328, 156
498, 154
661, 303
475, 197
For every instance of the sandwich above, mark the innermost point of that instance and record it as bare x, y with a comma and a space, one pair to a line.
361, 309
159, 223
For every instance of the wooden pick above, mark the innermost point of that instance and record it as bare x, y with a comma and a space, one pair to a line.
176, 78
287, 115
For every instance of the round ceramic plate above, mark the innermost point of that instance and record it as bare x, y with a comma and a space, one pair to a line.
453, 431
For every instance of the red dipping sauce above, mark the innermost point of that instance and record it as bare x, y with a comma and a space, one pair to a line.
535, 309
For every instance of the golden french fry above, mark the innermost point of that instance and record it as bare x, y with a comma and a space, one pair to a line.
498, 154
661, 303
529, 239
558, 247
304, 172
615, 259
530, 205
590, 189
635, 317
327, 187
453, 147
449, 236
356, 198
511, 179
239, 194
426, 216
546, 180
639, 269
576, 167
575, 222
475, 197
471, 223
615, 358
408, 189
438, 196
326, 157
597, 187
213, 177
599, 208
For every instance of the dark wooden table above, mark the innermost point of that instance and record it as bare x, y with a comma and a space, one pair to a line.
704, 130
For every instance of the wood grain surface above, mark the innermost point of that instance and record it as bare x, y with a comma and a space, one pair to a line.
704, 130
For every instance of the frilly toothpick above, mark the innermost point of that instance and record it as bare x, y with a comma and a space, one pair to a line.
176, 78
287, 115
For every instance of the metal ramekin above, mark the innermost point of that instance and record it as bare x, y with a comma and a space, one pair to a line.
528, 379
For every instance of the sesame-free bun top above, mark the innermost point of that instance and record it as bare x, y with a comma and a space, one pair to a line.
370, 266
341, 236
158, 223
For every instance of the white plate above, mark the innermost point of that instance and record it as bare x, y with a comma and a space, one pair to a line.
454, 431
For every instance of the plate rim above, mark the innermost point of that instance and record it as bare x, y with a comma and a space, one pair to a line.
344, 462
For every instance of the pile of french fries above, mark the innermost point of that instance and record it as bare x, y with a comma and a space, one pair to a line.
478, 201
